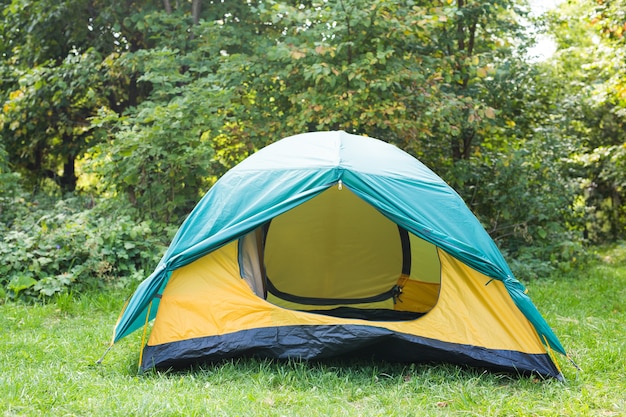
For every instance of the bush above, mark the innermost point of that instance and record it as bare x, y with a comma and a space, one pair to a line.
525, 201
69, 245
10, 191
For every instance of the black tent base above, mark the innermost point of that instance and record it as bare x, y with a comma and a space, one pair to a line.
326, 341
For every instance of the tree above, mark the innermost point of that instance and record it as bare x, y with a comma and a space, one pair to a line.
592, 88
156, 99
45, 121
413, 74
158, 154
53, 78
440, 81
55, 62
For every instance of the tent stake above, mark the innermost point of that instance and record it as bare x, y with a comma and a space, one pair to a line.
99, 361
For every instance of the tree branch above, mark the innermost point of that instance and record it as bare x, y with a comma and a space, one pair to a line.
460, 29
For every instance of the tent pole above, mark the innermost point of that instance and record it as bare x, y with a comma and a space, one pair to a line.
143, 337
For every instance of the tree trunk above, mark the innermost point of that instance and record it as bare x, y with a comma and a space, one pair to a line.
456, 149
616, 204
461, 146
68, 179
195, 11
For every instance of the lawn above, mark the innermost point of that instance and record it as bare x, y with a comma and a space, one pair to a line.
48, 357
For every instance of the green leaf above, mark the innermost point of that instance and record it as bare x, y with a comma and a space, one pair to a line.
20, 283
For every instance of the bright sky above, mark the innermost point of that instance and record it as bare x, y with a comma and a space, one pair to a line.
545, 44
540, 6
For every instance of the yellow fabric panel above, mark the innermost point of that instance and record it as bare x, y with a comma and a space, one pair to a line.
335, 234
425, 265
417, 296
209, 298
189, 304
471, 313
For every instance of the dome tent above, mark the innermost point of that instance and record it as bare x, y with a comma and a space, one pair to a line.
325, 244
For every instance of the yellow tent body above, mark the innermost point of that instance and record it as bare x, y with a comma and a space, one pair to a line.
330, 270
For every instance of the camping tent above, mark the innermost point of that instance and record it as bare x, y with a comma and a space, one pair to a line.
326, 244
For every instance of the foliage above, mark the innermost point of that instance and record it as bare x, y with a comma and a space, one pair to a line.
44, 122
521, 182
604, 190
10, 191
251, 74
52, 81
589, 72
145, 103
411, 75
524, 199
161, 153
67, 246
48, 353
608, 19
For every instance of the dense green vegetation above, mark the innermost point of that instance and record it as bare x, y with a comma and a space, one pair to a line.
116, 117
48, 353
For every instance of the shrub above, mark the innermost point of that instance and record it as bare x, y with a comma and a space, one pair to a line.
10, 191
525, 201
52, 248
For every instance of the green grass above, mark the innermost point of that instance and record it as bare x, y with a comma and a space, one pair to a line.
48, 357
